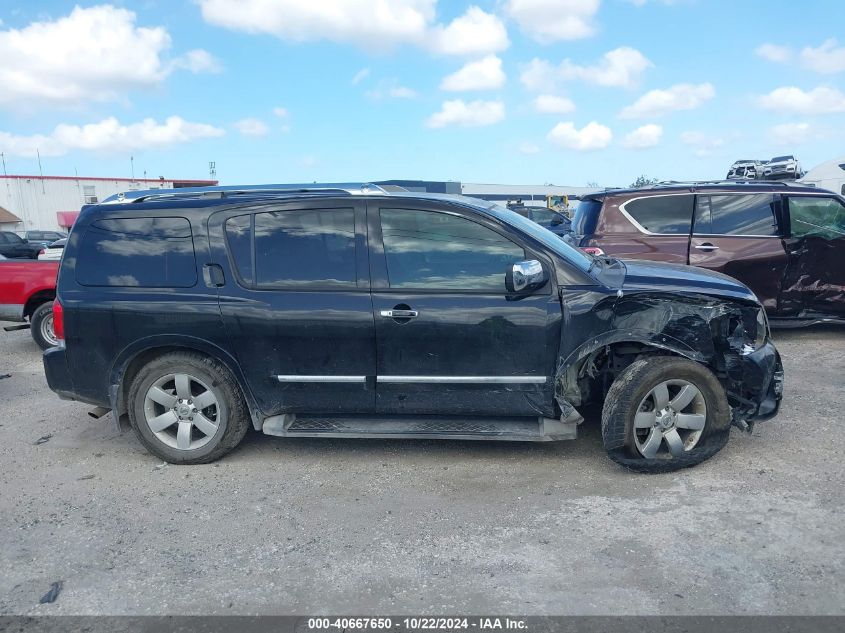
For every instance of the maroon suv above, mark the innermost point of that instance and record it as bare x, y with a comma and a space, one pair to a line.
786, 243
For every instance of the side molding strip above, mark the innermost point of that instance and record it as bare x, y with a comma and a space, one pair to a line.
501, 380
321, 378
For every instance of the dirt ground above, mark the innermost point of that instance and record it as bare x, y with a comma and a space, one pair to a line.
409, 527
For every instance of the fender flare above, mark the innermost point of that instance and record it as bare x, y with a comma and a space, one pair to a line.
129, 353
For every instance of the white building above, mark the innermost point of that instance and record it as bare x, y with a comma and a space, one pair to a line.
51, 203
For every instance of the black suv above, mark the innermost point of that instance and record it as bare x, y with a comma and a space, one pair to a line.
346, 311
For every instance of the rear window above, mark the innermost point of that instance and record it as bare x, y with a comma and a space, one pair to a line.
666, 215
586, 217
137, 252
748, 214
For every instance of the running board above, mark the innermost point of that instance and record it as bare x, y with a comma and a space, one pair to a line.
422, 427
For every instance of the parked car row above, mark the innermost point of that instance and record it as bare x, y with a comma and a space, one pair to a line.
778, 168
29, 246
786, 243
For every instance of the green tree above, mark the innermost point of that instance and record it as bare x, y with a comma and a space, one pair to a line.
643, 181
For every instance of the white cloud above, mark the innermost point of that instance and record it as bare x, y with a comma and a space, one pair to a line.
360, 76
528, 148
643, 137
792, 100
370, 24
793, 133
592, 136
198, 61
483, 74
552, 104
619, 68
476, 32
467, 114
92, 54
552, 20
109, 135
656, 103
774, 53
390, 89
281, 112
252, 127
703, 144
826, 59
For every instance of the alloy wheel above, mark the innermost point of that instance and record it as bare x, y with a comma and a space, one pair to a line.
182, 411
670, 420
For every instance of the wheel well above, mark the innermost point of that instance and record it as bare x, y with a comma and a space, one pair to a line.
594, 373
142, 358
40, 297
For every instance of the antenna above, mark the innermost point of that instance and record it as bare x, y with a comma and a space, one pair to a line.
212, 170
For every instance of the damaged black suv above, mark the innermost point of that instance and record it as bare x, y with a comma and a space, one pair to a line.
348, 311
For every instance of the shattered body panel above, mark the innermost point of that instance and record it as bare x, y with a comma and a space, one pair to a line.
606, 330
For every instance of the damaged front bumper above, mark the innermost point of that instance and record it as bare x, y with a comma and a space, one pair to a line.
755, 386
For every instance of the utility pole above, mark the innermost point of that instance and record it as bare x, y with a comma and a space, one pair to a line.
40, 171
132, 167
212, 170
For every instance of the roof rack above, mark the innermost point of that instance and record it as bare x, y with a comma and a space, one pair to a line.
693, 183
255, 191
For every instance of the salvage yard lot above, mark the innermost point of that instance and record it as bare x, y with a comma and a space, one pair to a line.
378, 526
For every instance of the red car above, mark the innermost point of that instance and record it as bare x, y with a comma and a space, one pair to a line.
785, 242
27, 290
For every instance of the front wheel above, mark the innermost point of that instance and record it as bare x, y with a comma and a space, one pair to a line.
664, 413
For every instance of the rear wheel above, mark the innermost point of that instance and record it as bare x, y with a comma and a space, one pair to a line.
187, 408
664, 413
41, 326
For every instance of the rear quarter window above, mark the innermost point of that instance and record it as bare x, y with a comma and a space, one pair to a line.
665, 215
137, 252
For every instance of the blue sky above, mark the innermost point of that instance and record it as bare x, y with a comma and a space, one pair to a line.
506, 91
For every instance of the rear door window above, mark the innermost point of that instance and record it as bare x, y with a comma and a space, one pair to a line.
736, 214
137, 252
441, 251
664, 215
305, 248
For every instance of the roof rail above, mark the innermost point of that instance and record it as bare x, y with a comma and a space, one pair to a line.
694, 183
258, 191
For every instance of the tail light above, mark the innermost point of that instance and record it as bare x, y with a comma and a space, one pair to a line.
593, 250
58, 320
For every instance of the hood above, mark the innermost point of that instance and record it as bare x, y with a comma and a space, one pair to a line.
662, 277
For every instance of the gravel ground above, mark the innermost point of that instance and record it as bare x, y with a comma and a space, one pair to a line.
374, 526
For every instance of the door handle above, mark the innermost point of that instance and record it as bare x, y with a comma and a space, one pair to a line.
399, 314
707, 247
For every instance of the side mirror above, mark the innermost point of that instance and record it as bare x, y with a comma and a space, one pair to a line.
525, 276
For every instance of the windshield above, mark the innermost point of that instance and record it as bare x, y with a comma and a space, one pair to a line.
780, 159
548, 239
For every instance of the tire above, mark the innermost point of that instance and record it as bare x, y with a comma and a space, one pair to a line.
41, 326
636, 391
175, 379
